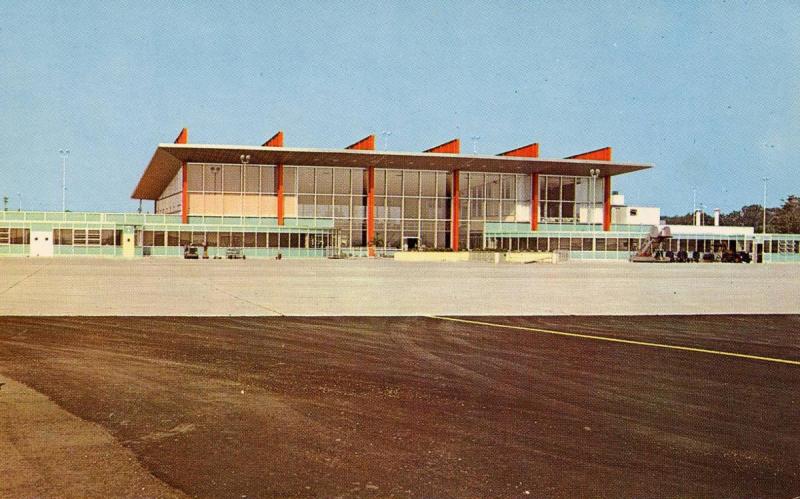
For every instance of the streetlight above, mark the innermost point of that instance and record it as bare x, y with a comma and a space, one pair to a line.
594, 173
386, 134
764, 223
215, 169
19, 194
475, 139
64, 153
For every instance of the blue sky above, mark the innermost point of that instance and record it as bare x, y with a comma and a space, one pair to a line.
707, 91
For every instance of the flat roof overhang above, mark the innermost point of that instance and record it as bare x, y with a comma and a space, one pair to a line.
167, 159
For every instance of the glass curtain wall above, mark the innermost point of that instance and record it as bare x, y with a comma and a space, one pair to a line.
246, 189
568, 199
490, 197
337, 193
411, 209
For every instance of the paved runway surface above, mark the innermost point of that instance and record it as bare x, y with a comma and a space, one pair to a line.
381, 287
426, 406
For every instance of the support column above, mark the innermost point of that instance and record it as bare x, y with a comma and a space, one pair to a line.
535, 202
455, 207
607, 203
277, 141
529, 151
371, 210
451, 147
368, 144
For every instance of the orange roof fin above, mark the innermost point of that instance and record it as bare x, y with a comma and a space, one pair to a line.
365, 144
529, 151
182, 137
451, 147
274, 141
603, 154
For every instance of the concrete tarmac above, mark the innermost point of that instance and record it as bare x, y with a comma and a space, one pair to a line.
401, 406
383, 287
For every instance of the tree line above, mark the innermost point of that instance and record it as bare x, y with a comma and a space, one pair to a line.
780, 220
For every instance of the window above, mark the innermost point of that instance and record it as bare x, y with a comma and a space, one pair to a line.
268, 180
633, 212
158, 238
19, 236
195, 176
65, 236
394, 185
251, 178
107, 237
324, 178
341, 181
232, 178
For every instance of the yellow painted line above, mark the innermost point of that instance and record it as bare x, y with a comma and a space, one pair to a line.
620, 340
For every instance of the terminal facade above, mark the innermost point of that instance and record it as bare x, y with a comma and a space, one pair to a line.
356, 201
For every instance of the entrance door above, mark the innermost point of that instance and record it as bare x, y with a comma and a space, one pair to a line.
411, 243
759, 253
42, 243
128, 241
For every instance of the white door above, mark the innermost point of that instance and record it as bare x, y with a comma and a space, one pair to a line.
41, 243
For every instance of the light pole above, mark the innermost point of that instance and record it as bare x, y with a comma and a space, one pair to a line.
694, 201
475, 139
764, 222
215, 170
386, 134
594, 173
19, 195
64, 153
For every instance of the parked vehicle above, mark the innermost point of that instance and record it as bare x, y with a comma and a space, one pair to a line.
191, 252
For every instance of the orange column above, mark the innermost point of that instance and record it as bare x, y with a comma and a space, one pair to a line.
371, 210
368, 144
455, 206
529, 151
535, 202
277, 141
451, 147
184, 194
607, 203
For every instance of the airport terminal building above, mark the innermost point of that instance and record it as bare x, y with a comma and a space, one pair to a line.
273, 200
